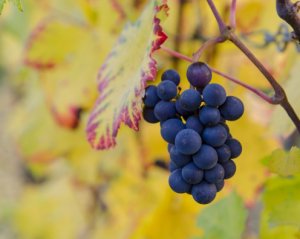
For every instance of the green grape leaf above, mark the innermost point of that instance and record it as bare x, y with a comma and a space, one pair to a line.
224, 219
123, 75
16, 2
285, 163
281, 197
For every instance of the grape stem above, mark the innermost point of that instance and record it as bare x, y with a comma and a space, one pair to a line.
228, 33
256, 91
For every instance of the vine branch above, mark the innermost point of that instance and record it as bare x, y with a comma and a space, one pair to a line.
289, 12
254, 90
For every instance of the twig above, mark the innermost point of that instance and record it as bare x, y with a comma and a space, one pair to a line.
256, 91
232, 14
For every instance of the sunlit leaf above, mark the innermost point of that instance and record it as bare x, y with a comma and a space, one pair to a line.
224, 219
281, 199
123, 76
285, 163
16, 2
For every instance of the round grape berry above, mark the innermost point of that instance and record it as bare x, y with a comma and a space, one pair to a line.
223, 152
204, 192
190, 100
178, 158
229, 168
206, 157
171, 75
235, 147
149, 116
170, 129
166, 90
220, 185
199, 74
214, 95
209, 116
164, 110
214, 136
151, 98
192, 174
214, 175
188, 141
193, 122
173, 166
232, 109
177, 183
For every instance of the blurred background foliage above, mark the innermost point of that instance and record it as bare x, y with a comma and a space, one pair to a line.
54, 186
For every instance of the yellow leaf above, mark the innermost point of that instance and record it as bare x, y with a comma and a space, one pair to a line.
284, 163
123, 76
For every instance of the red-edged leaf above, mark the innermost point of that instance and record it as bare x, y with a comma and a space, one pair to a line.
123, 75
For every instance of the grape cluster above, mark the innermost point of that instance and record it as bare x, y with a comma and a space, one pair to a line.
194, 124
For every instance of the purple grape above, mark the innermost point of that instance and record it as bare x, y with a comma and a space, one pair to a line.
209, 116
229, 168
235, 147
192, 174
178, 158
214, 136
165, 110
170, 129
171, 75
223, 152
166, 90
204, 192
188, 141
199, 74
220, 185
177, 184
190, 100
193, 122
206, 157
232, 109
215, 174
214, 95
151, 98
149, 116
173, 166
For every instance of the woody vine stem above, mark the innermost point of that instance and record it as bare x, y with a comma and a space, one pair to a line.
228, 33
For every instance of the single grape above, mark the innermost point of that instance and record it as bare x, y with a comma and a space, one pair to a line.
209, 116
204, 192
165, 110
173, 166
199, 74
222, 119
182, 111
188, 141
151, 98
229, 168
215, 174
229, 136
192, 174
193, 122
214, 95
170, 129
235, 147
232, 109
166, 90
225, 126
223, 152
177, 184
169, 147
171, 75
214, 136
190, 100
178, 158
220, 185
149, 116
206, 157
